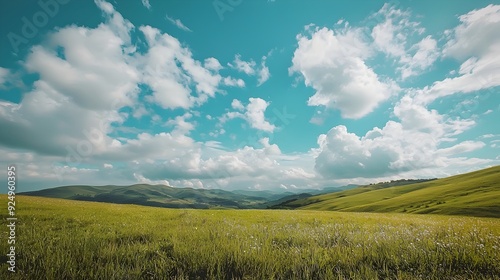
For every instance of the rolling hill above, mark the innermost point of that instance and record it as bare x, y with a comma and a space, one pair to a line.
154, 195
473, 194
171, 197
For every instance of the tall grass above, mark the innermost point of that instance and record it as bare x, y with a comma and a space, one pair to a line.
61, 239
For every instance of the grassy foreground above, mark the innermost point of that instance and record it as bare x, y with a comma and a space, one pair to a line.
63, 239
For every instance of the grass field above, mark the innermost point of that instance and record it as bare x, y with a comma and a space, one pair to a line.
64, 239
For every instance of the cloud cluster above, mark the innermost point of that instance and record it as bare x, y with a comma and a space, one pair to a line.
250, 68
421, 139
475, 43
253, 113
332, 62
392, 38
86, 76
92, 82
335, 62
412, 143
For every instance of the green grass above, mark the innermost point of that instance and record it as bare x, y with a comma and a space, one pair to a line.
65, 239
472, 194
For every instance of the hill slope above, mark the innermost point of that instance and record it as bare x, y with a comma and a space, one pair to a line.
171, 197
154, 195
473, 194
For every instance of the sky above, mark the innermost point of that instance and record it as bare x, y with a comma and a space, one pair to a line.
240, 94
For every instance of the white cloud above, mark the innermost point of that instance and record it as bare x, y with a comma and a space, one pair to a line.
229, 81
68, 117
411, 145
146, 4
425, 55
250, 68
4, 76
463, 147
489, 135
77, 93
217, 132
150, 148
269, 149
477, 35
87, 75
181, 125
392, 38
264, 73
476, 44
172, 83
212, 63
253, 114
246, 67
332, 62
92, 76
236, 104
213, 167
178, 23
68, 121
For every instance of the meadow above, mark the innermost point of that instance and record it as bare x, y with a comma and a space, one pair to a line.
65, 239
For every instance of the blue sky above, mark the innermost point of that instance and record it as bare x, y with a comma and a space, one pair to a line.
248, 94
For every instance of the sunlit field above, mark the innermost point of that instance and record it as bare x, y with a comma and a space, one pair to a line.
63, 239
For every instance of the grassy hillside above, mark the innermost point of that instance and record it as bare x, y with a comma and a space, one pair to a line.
473, 194
171, 197
70, 192
155, 195
66, 239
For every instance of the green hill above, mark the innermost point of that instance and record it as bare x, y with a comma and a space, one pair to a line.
171, 197
472, 194
154, 195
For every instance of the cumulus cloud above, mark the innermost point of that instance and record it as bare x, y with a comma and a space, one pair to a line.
333, 63
181, 124
68, 122
253, 113
476, 44
86, 75
391, 37
246, 67
269, 149
250, 68
76, 93
412, 144
171, 82
247, 167
229, 81
482, 25
69, 127
236, 104
212, 63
